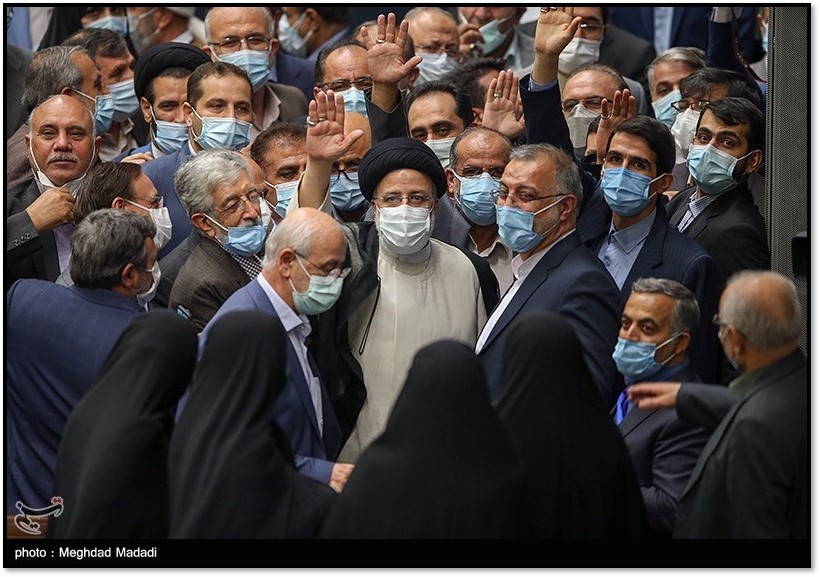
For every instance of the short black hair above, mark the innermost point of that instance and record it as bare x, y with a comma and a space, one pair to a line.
98, 42
467, 75
656, 135
464, 108
733, 111
704, 80
332, 14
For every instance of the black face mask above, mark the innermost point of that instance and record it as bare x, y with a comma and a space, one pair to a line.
590, 163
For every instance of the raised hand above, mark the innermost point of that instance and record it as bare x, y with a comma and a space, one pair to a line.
554, 30
623, 106
386, 52
326, 140
502, 107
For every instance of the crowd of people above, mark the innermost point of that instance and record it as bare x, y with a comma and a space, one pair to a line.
461, 274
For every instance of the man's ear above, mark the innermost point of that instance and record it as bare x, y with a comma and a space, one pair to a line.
145, 107
118, 202
200, 221
663, 183
478, 116
286, 260
451, 181
130, 276
683, 342
755, 160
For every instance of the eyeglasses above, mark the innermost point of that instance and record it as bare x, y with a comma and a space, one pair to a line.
154, 202
415, 200
697, 105
238, 204
342, 84
232, 43
450, 50
591, 103
334, 273
495, 172
337, 172
500, 196
592, 30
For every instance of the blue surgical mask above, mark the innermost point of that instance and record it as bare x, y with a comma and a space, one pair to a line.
321, 294
626, 192
515, 226
636, 360
242, 240
664, 112
223, 132
169, 137
289, 38
254, 62
118, 24
441, 147
492, 37
475, 198
345, 193
125, 99
354, 100
435, 66
103, 111
712, 169
284, 192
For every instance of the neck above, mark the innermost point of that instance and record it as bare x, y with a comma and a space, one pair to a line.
483, 236
114, 130
123, 291
622, 222
280, 285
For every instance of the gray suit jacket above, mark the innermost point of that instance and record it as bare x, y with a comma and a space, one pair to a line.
205, 281
17, 61
29, 254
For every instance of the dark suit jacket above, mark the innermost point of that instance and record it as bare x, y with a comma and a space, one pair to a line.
161, 171
752, 478
29, 254
209, 276
58, 339
731, 229
571, 281
294, 410
669, 254
17, 61
689, 26
170, 266
294, 71
664, 451
627, 53
293, 107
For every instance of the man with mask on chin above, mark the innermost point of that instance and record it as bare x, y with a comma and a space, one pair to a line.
62, 145
718, 211
244, 36
554, 271
218, 114
217, 189
405, 290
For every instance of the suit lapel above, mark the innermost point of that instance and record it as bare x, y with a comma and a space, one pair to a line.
535, 279
633, 418
718, 207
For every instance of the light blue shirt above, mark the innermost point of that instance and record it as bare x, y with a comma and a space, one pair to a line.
621, 248
663, 27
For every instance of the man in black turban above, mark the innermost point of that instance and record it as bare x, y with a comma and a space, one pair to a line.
405, 290
160, 82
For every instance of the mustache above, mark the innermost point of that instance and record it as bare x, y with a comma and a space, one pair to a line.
63, 156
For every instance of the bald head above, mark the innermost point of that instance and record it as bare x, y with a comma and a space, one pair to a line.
308, 232
764, 307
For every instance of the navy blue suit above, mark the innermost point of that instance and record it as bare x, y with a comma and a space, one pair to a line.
161, 171
571, 281
664, 451
294, 71
58, 339
689, 26
295, 415
670, 254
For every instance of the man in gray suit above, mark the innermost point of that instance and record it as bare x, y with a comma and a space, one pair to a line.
751, 480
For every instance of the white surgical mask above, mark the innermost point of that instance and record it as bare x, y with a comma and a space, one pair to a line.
578, 52
404, 229
435, 66
43, 182
578, 123
143, 298
683, 130
162, 220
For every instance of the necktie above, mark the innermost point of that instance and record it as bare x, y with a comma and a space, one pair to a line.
621, 407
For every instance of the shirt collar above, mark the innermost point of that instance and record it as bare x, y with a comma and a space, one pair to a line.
521, 268
289, 318
633, 235
489, 250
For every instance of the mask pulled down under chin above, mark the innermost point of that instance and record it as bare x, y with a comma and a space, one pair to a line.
404, 229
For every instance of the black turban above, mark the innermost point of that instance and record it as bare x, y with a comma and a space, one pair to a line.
395, 154
163, 56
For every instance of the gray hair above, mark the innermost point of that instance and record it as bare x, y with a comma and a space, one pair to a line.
567, 177
293, 233
51, 70
767, 319
261, 9
412, 14
104, 242
199, 177
475, 130
30, 120
694, 57
686, 316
